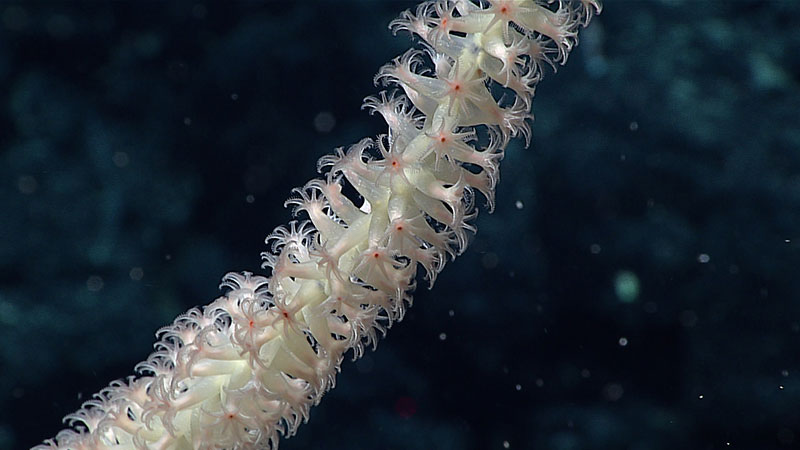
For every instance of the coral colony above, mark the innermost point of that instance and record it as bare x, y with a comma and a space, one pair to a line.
247, 368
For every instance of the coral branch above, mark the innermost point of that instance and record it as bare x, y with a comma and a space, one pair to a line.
248, 367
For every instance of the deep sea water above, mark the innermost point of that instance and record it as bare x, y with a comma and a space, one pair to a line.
636, 288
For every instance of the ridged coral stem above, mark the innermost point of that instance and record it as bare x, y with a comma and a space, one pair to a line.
248, 367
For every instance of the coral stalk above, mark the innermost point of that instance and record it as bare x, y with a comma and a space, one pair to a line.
246, 369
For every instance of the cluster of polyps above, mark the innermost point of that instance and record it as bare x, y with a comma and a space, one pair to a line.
253, 362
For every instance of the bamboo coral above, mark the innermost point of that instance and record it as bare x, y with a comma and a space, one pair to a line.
247, 368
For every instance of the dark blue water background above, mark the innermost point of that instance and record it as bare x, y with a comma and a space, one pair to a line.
638, 286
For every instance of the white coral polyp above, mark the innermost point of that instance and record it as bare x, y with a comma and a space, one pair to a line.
249, 366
